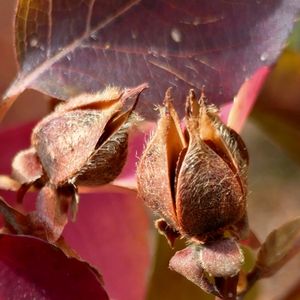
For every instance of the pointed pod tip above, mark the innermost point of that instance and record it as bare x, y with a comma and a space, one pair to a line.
168, 96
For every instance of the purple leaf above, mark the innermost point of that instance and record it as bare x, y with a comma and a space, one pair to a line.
33, 269
67, 48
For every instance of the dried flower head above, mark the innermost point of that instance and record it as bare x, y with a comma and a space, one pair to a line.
83, 142
195, 180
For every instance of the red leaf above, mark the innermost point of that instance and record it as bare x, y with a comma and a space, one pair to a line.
33, 269
13, 140
245, 99
111, 232
65, 48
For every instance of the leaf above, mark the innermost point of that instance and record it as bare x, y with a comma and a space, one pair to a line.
245, 99
279, 247
112, 232
13, 139
66, 48
33, 269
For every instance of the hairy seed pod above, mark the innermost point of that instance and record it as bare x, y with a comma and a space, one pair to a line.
194, 179
84, 141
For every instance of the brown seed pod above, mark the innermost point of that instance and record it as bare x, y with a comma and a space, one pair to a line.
83, 142
195, 179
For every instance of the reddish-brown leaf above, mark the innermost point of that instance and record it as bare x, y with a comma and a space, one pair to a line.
65, 48
13, 139
280, 246
112, 233
33, 269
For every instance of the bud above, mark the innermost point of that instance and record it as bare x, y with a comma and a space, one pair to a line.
194, 179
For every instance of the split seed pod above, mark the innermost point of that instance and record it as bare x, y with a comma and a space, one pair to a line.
83, 142
194, 179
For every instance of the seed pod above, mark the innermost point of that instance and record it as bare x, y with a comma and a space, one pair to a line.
194, 179
84, 141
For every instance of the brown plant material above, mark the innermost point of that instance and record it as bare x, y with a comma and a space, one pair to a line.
47, 221
196, 180
221, 258
186, 262
83, 142
92, 132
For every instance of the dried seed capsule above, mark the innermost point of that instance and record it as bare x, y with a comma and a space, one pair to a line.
83, 142
194, 179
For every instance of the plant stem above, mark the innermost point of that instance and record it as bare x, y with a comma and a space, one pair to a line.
227, 287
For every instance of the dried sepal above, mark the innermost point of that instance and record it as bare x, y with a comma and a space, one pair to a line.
66, 141
9, 184
221, 258
15, 221
195, 180
51, 214
186, 262
49, 218
83, 142
99, 101
26, 167
164, 229
108, 159
203, 204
